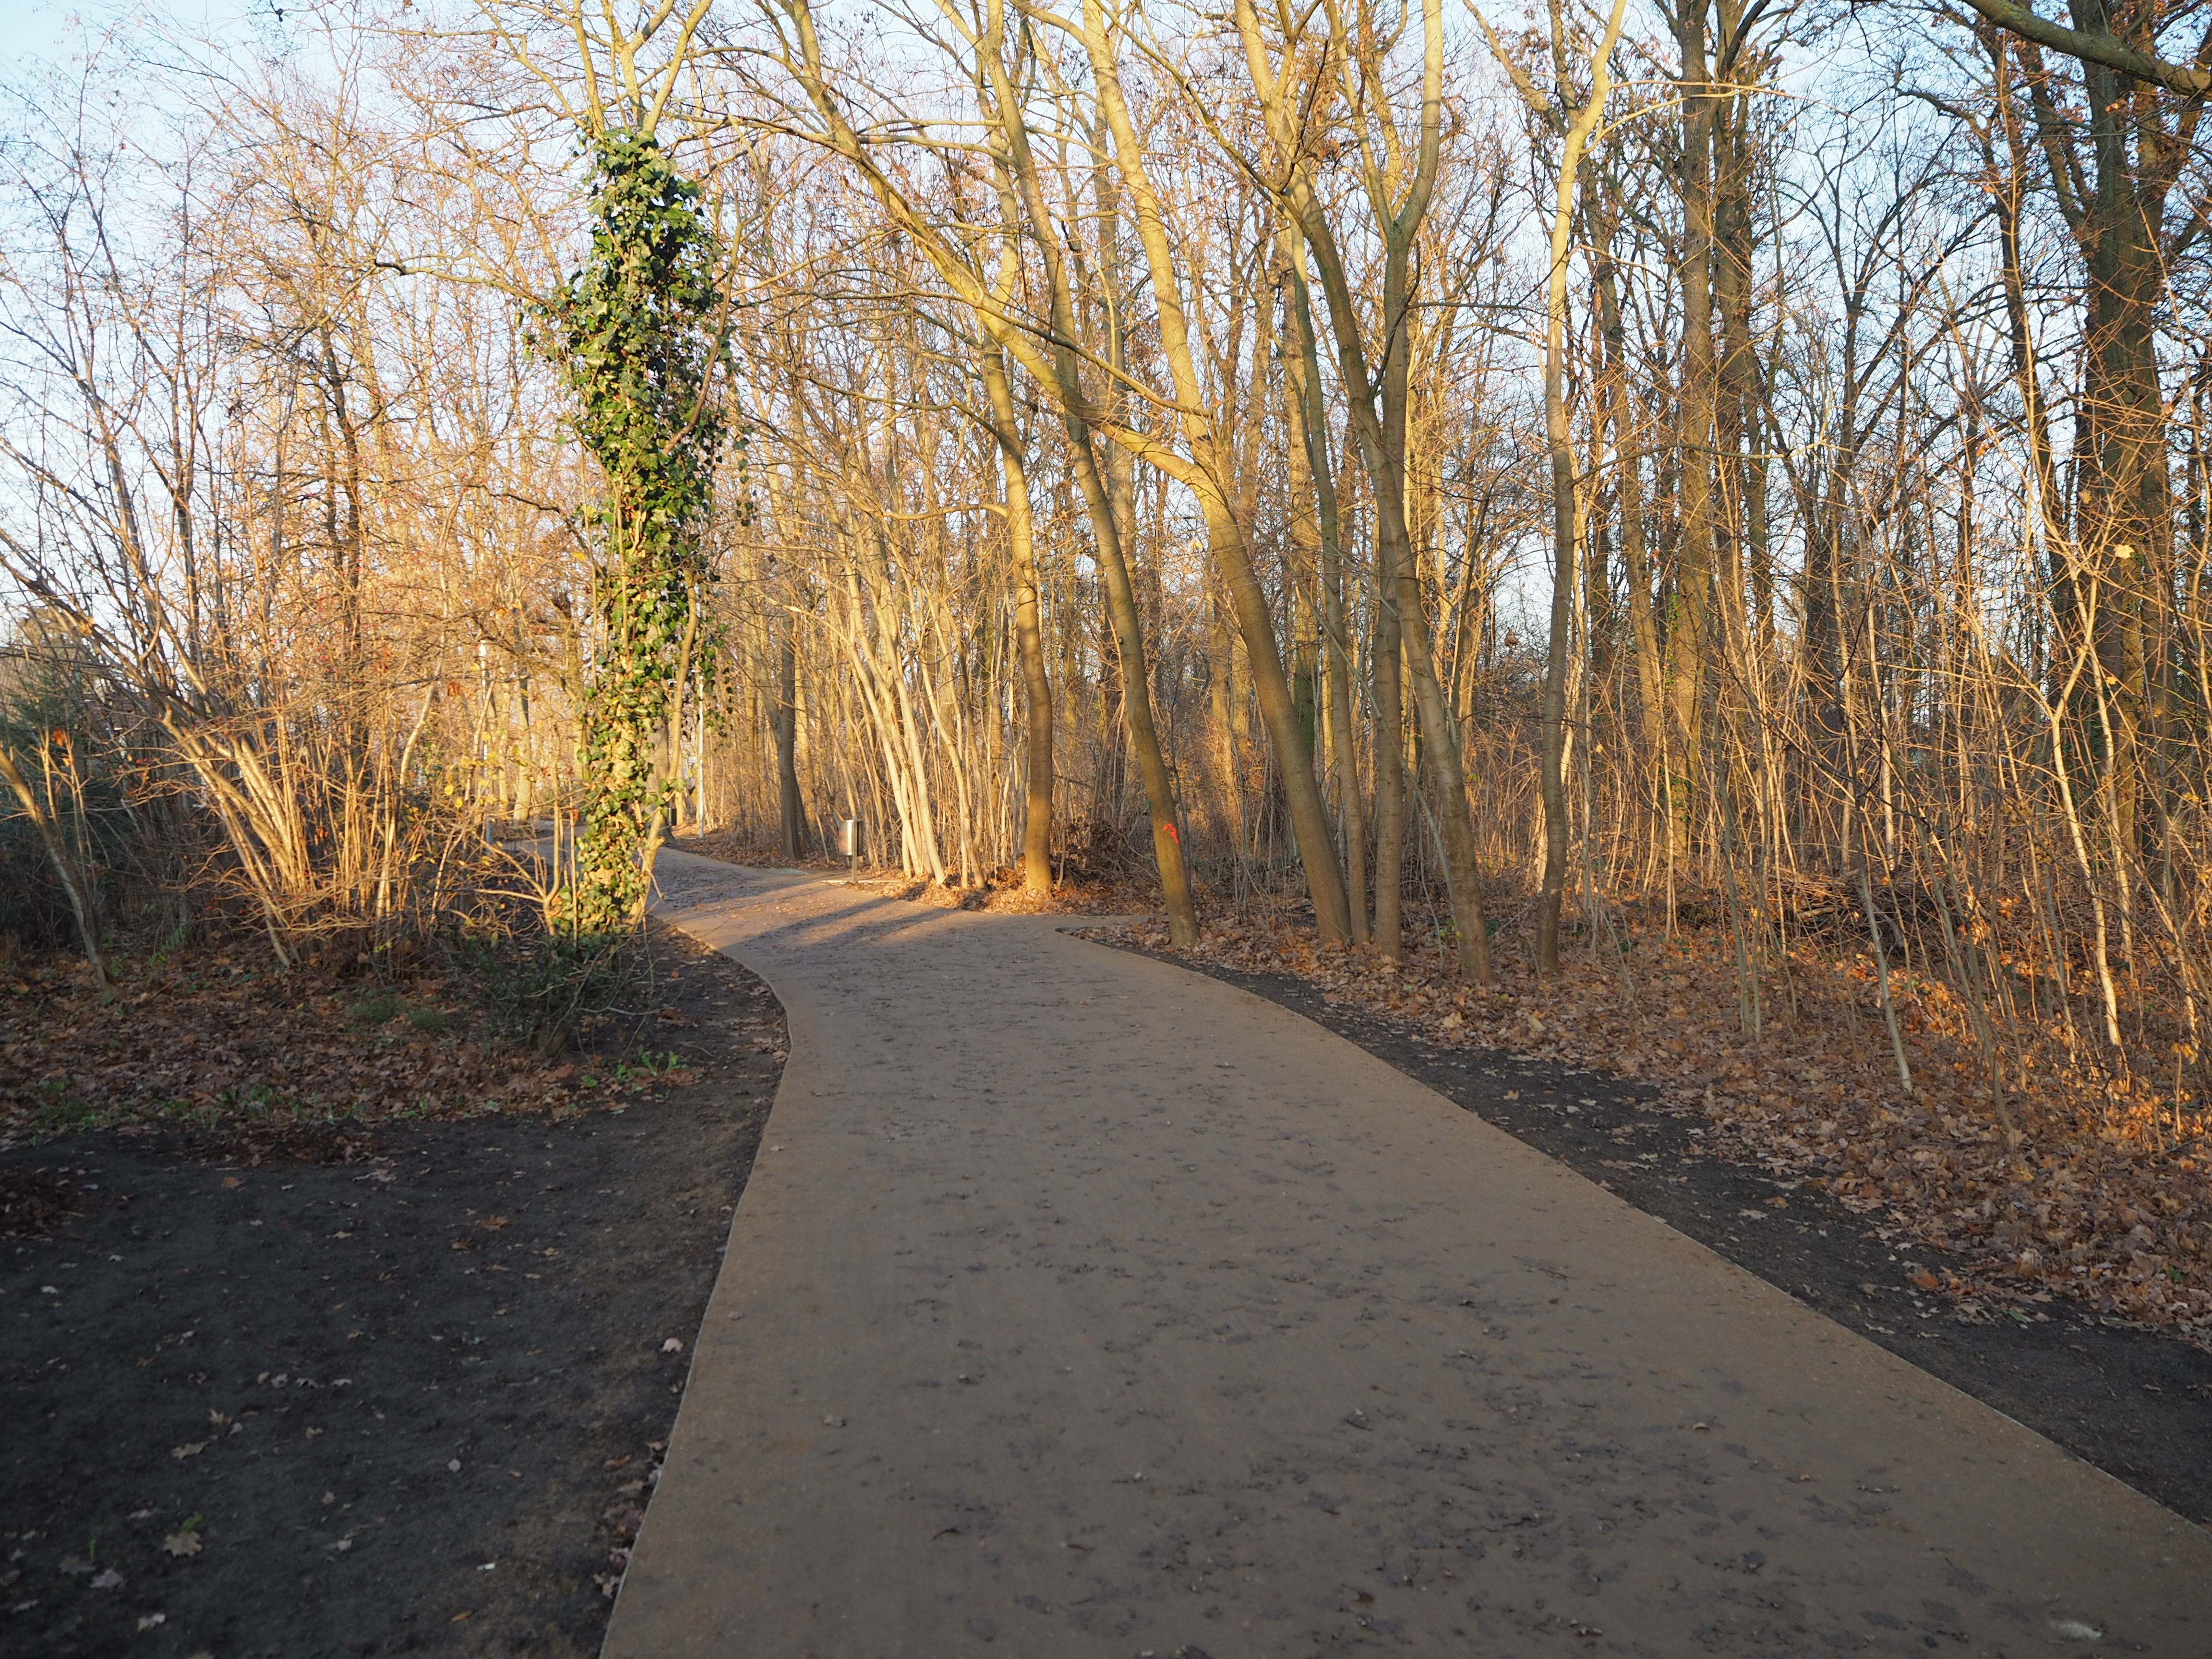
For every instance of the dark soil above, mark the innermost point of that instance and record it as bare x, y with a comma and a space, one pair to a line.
323, 1390
2136, 1405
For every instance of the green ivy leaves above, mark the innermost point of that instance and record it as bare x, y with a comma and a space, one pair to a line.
636, 333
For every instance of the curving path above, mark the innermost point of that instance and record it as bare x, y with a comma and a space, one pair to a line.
1081, 1306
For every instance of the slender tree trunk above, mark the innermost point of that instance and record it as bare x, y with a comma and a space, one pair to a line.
1003, 106
1029, 634
1400, 195
1387, 665
1137, 694
1565, 525
1628, 493
1687, 641
783, 722
1309, 423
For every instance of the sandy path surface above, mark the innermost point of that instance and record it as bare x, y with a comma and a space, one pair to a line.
1078, 1305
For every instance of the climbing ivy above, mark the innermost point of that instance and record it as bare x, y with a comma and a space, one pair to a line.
635, 334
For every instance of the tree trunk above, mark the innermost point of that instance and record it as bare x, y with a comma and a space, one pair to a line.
1564, 526
1628, 494
1400, 197
783, 722
1309, 423
1687, 641
1029, 634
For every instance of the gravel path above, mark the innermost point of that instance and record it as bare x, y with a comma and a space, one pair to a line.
1081, 1306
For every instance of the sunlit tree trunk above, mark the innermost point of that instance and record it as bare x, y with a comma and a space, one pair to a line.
1689, 628
1308, 418
1028, 635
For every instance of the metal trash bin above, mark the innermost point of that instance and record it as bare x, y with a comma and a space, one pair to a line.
848, 844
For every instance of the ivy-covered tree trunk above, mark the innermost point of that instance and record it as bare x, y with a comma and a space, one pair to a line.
637, 336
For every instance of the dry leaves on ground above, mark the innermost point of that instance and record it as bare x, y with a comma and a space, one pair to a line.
221, 1044
2103, 1201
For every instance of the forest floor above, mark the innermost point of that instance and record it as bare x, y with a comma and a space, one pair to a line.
337, 1328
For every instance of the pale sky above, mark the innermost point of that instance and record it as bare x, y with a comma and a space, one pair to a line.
31, 28
51, 29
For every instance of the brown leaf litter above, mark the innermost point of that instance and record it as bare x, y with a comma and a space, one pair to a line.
256, 1064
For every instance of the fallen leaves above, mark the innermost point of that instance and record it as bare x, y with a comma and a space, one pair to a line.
32, 1200
183, 1543
626, 1514
264, 1049
190, 1449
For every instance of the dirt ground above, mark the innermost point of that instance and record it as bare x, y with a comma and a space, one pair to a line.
310, 1391
2137, 1404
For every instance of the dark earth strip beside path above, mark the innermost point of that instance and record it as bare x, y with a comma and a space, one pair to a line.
384, 1390
2135, 1405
